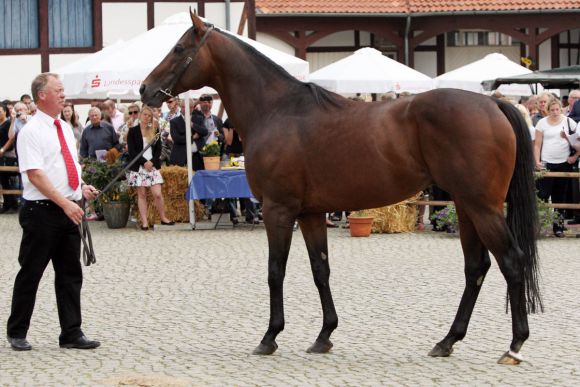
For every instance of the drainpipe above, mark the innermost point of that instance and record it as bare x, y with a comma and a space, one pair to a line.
228, 22
407, 31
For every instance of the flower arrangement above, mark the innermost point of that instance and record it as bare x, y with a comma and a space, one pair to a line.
211, 149
446, 217
360, 214
99, 174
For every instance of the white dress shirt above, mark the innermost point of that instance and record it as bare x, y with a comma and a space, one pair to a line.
39, 148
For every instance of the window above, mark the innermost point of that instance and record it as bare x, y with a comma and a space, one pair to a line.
70, 23
479, 38
18, 24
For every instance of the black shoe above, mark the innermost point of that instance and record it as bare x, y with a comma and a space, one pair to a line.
81, 343
19, 344
235, 221
170, 223
559, 234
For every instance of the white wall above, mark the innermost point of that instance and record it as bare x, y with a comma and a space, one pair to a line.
276, 43
123, 21
216, 14
318, 60
456, 57
163, 10
545, 55
60, 60
16, 75
426, 62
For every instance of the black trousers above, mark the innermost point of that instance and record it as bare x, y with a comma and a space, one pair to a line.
47, 234
556, 187
10, 201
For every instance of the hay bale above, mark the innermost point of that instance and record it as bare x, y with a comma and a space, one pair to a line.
174, 188
399, 217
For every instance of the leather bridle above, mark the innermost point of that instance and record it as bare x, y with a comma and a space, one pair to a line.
186, 62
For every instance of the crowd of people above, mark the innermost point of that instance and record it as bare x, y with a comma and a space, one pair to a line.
129, 128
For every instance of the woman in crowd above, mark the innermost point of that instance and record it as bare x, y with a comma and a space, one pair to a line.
528, 119
553, 149
69, 115
145, 172
131, 119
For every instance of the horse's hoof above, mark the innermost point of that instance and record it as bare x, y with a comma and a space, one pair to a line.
320, 347
265, 349
510, 358
439, 351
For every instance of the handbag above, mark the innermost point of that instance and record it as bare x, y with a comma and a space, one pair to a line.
570, 132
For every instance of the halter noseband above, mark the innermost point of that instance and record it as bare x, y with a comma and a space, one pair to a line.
187, 61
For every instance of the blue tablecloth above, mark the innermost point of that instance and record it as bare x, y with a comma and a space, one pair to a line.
219, 184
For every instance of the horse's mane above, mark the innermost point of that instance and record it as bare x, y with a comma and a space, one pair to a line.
322, 97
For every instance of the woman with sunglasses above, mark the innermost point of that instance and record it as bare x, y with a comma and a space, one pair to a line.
131, 119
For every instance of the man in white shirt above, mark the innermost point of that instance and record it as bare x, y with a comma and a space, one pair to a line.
49, 218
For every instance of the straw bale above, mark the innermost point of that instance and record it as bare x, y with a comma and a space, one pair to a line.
174, 188
399, 217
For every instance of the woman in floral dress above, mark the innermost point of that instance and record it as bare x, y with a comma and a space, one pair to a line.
145, 172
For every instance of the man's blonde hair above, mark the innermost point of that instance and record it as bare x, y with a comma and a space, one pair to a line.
39, 83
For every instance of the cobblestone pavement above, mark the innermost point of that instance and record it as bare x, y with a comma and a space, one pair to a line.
188, 307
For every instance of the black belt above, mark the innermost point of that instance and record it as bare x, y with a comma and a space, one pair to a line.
42, 203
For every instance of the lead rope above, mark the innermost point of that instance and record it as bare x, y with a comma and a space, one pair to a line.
88, 251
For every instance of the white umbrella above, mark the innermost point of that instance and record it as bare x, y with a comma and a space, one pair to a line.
117, 71
369, 71
470, 76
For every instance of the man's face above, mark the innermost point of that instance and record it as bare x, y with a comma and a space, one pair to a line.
95, 116
2, 113
27, 100
52, 96
205, 106
171, 104
571, 99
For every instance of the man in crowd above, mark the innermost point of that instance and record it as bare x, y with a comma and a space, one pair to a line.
7, 158
117, 118
49, 218
574, 105
98, 135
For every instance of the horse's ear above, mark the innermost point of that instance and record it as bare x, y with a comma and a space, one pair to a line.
195, 20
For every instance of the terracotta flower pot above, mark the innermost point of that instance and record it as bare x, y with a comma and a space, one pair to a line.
211, 163
360, 226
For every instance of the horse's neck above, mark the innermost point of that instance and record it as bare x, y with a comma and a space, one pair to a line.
250, 88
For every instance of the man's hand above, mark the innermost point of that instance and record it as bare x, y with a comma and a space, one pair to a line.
73, 211
89, 192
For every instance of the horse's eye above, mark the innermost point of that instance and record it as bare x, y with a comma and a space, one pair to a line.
178, 49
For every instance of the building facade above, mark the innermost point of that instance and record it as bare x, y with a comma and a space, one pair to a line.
432, 36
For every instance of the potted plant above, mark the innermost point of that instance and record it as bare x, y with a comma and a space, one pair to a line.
446, 219
360, 223
211, 155
115, 202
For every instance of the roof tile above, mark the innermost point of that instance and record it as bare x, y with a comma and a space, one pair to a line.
405, 6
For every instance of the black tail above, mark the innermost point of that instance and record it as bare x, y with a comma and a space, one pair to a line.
522, 214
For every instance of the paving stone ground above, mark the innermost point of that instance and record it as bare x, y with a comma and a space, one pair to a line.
186, 308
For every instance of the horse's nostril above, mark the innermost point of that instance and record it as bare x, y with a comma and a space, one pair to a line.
142, 89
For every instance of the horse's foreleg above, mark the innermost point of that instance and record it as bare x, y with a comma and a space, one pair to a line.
279, 222
313, 228
477, 264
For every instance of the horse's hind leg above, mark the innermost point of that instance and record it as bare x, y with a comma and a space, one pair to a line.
477, 263
313, 228
279, 221
496, 235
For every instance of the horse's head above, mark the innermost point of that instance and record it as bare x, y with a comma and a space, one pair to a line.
185, 67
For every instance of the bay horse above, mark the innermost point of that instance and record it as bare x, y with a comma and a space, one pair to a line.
308, 151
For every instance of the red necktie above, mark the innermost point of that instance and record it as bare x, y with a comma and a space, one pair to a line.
71, 169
